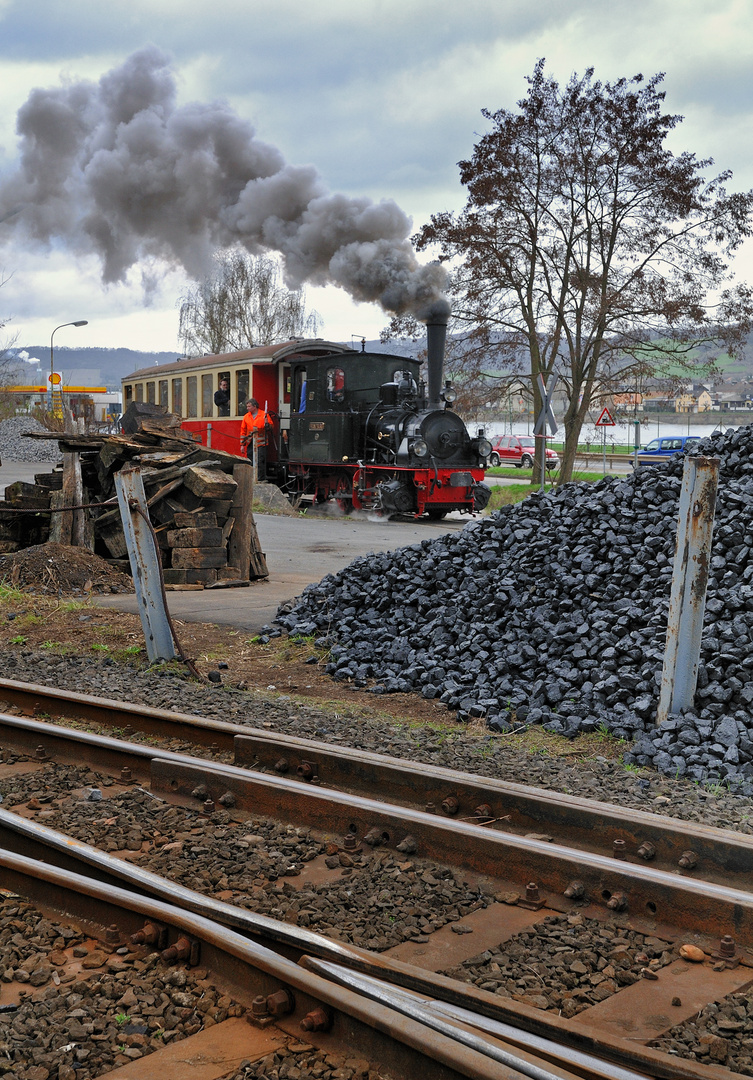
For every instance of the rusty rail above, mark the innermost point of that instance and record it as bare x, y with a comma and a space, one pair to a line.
651, 897
517, 1023
381, 1033
719, 856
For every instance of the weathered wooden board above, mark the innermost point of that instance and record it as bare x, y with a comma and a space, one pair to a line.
219, 507
195, 538
199, 519
206, 576
209, 483
60, 524
113, 537
227, 573
52, 481
244, 549
73, 494
195, 558
27, 502
33, 495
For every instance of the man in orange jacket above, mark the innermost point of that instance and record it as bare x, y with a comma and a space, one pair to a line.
256, 423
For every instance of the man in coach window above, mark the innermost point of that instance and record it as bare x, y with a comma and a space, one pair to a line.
222, 398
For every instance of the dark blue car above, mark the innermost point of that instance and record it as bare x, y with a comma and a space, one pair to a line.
666, 447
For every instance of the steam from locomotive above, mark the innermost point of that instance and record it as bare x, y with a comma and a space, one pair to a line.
117, 169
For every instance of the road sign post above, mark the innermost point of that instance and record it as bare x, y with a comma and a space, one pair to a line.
545, 419
605, 420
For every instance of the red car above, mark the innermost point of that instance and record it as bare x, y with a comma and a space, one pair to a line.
519, 450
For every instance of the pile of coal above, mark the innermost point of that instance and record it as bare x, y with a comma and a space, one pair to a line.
554, 612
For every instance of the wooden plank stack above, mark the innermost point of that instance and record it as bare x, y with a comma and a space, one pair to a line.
199, 501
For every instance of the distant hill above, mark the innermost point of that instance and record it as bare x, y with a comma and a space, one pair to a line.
89, 367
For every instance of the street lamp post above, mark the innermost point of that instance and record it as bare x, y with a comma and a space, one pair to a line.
79, 322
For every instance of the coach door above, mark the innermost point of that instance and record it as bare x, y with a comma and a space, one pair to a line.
285, 392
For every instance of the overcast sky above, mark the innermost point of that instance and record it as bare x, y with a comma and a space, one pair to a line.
381, 97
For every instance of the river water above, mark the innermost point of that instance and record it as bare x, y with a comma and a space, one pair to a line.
621, 434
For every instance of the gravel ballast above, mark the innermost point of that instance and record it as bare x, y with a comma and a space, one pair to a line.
554, 612
123, 1005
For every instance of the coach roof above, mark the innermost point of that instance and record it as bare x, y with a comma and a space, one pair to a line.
270, 353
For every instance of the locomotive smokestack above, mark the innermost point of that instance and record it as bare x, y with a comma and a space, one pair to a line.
436, 336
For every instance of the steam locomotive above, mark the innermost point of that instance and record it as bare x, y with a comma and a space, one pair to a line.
357, 427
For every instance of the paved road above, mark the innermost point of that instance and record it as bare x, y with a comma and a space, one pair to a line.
10, 471
299, 551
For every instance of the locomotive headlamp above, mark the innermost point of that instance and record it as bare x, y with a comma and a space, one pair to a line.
484, 447
420, 449
449, 395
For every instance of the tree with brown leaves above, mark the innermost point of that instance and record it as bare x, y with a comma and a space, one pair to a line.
587, 248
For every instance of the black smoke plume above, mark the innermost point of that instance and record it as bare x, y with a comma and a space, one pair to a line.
119, 170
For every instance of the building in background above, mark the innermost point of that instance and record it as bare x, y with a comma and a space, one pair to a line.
95, 404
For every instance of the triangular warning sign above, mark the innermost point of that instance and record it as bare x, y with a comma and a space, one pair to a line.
606, 419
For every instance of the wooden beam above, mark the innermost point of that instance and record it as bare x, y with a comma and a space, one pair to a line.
244, 550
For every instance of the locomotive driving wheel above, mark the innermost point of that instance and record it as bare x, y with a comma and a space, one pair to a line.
344, 493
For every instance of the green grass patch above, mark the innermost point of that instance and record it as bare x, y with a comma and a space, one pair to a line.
64, 607
522, 474
29, 618
9, 594
127, 653
57, 647
509, 494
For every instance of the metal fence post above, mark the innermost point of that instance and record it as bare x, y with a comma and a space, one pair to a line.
695, 526
144, 566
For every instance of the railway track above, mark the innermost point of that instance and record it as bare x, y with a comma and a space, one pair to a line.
696, 852
534, 861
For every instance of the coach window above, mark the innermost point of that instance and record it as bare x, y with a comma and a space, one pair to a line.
207, 396
223, 386
163, 393
192, 405
150, 395
128, 395
139, 391
241, 391
178, 396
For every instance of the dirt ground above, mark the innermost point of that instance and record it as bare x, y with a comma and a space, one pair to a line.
76, 626
69, 623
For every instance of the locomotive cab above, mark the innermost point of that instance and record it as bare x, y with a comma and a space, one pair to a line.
362, 431
333, 397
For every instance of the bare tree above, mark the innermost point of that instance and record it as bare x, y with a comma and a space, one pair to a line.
243, 303
588, 249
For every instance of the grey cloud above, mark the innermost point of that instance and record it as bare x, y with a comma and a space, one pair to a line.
118, 170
